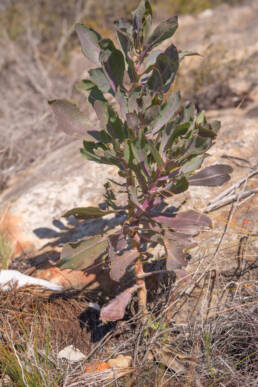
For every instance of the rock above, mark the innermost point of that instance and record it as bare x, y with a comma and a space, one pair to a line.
121, 361
31, 209
71, 354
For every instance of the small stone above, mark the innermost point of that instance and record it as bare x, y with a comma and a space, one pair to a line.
71, 354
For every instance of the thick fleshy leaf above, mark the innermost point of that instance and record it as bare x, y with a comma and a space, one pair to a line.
164, 70
162, 32
110, 120
87, 213
89, 40
121, 98
115, 309
167, 112
193, 164
142, 18
177, 185
83, 254
113, 63
119, 264
197, 145
98, 77
69, 118
124, 30
212, 176
151, 58
94, 93
155, 154
189, 222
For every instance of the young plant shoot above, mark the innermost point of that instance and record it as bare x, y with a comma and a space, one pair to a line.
156, 142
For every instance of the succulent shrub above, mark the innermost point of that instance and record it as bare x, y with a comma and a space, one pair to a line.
156, 142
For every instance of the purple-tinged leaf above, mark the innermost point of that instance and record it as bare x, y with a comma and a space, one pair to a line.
70, 120
212, 176
167, 112
119, 264
189, 222
98, 77
89, 40
83, 254
87, 213
164, 70
113, 64
115, 309
162, 32
142, 18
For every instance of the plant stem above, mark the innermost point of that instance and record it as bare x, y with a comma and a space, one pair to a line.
142, 291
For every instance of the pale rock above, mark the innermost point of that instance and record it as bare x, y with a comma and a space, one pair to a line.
71, 354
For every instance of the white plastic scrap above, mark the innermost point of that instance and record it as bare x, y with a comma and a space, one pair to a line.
8, 278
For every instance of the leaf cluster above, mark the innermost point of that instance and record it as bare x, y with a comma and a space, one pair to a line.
156, 142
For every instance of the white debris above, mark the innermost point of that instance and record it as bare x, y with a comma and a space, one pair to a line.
71, 353
8, 278
205, 14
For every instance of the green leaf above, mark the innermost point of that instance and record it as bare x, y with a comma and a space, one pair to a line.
193, 164
94, 93
113, 63
162, 32
142, 19
98, 77
81, 255
121, 97
69, 118
110, 120
164, 70
197, 146
87, 213
155, 154
124, 30
167, 112
177, 185
89, 40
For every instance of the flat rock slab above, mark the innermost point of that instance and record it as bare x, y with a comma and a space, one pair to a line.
42, 194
